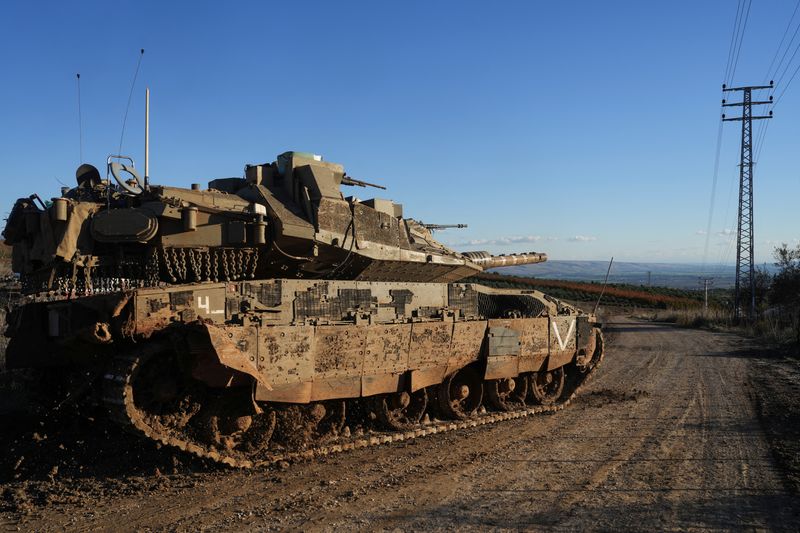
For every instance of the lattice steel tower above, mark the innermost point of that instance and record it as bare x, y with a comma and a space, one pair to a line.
745, 264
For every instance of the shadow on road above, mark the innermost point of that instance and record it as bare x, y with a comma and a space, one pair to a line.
709, 507
619, 327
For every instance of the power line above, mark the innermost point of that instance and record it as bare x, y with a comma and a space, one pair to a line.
780, 44
725, 250
763, 130
735, 44
788, 63
713, 196
741, 40
786, 51
774, 104
785, 87
760, 143
732, 46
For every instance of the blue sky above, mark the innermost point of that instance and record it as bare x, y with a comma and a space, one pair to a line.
582, 129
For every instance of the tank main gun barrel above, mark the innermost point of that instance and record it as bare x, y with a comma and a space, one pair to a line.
487, 260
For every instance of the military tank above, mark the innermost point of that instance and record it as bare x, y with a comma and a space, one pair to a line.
270, 317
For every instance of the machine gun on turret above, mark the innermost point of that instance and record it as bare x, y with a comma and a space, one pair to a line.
436, 227
347, 180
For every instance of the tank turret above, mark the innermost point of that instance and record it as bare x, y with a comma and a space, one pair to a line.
287, 219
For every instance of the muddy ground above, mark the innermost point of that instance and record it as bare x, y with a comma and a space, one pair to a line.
681, 429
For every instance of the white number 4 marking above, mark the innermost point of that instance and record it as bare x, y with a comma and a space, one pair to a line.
563, 343
203, 303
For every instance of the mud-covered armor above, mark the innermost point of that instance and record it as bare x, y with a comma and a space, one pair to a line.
269, 315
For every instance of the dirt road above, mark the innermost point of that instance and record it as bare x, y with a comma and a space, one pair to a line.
665, 437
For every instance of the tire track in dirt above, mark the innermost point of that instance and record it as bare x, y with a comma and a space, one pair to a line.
665, 437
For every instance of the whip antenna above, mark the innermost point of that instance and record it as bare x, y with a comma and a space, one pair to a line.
80, 121
147, 139
605, 282
133, 84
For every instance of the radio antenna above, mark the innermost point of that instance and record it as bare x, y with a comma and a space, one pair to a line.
605, 283
80, 121
130, 96
147, 139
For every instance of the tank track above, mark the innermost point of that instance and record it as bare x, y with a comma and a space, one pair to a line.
118, 398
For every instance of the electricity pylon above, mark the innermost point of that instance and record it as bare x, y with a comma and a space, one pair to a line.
745, 265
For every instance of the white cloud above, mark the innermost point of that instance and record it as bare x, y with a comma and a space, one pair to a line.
700, 232
582, 238
726, 232
503, 241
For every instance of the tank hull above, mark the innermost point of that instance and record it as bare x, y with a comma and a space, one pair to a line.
258, 348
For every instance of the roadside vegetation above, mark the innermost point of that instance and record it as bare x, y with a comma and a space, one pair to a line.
777, 305
614, 294
777, 300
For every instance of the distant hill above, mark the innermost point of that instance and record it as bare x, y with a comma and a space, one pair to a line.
675, 275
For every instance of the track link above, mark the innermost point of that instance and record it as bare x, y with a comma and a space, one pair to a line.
118, 398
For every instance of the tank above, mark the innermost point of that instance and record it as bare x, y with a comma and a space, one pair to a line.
270, 317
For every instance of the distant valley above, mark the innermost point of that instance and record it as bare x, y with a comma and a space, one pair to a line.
674, 275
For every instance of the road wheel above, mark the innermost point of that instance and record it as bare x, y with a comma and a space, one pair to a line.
300, 426
507, 394
460, 394
401, 410
329, 417
545, 388
233, 422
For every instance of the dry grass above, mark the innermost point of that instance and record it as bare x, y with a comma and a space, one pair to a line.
692, 318
777, 327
